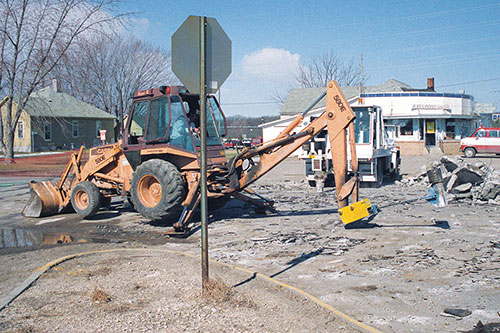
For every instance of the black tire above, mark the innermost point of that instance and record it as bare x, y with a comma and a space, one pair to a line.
157, 190
130, 202
469, 152
85, 199
105, 201
395, 173
217, 203
312, 183
380, 174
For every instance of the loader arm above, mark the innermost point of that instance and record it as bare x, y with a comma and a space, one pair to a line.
337, 117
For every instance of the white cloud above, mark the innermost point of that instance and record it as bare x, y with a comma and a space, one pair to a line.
139, 26
277, 66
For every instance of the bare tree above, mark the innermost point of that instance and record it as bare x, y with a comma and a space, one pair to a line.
321, 69
325, 67
107, 71
34, 36
279, 96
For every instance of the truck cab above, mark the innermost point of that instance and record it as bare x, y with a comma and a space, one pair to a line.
166, 121
377, 155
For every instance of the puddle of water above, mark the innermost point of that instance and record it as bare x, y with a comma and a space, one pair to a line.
50, 220
18, 237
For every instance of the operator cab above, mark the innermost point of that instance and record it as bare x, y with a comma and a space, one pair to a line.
171, 115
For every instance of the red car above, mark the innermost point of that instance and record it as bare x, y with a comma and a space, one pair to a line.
230, 143
256, 141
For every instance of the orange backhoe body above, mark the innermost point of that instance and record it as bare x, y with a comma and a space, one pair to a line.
157, 163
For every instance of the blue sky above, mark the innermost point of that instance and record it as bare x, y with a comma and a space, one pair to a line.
456, 42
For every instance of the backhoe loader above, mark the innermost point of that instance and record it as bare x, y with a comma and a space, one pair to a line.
157, 163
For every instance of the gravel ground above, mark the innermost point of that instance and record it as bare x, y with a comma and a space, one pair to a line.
148, 290
400, 274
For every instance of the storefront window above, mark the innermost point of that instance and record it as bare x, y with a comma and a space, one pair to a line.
450, 129
406, 127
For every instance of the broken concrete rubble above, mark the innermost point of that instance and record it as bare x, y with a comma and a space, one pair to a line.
463, 181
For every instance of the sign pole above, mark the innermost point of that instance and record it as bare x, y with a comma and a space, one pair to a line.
201, 54
203, 154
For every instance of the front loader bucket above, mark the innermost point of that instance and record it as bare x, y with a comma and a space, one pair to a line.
45, 199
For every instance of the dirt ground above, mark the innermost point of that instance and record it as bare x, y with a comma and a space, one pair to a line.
48, 165
135, 291
399, 274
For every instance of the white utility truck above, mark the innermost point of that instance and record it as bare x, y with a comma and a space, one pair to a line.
377, 155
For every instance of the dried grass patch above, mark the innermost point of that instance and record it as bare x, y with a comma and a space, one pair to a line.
100, 296
218, 292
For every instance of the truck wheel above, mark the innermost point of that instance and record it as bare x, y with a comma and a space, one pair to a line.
85, 199
469, 152
158, 190
395, 173
312, 183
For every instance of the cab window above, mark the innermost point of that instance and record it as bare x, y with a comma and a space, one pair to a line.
215, 120
138, 123
480, 134
179, 134
362, 126
493, 134
158, 120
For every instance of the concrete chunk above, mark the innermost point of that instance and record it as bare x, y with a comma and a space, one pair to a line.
448, 163
465, 175
490, 190
462, 188
451, 182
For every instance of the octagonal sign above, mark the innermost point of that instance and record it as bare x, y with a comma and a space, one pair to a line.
186, 54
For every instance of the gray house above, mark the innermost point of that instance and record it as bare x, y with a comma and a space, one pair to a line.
53, 120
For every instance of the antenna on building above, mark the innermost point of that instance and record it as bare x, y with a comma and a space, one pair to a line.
361, 79
362, 74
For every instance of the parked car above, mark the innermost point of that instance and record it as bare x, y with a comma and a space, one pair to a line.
231, 143
256, 141
246, 142
484, 140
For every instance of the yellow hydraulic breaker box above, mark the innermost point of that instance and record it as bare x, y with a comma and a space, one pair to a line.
357, 211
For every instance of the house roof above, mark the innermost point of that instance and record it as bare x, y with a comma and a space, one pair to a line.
48, 103
300, 99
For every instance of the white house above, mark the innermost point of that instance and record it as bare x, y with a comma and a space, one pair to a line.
420, 120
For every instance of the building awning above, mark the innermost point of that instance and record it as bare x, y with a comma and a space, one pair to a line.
433, 116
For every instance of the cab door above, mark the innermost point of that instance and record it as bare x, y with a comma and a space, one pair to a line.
494, 141
481, 141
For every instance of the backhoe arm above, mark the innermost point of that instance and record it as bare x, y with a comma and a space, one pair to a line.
337, 117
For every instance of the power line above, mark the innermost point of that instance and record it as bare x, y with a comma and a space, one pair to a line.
443, 12
250, 103
440, 63
470, 82
440, 29
440, 45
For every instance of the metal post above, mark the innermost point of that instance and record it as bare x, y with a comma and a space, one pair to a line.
203, 154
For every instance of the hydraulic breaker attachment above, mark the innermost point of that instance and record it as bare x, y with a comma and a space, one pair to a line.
357, 211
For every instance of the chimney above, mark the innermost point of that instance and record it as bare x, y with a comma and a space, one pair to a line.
430, 84
54, 85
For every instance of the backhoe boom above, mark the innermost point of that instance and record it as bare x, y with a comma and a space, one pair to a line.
337, 118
